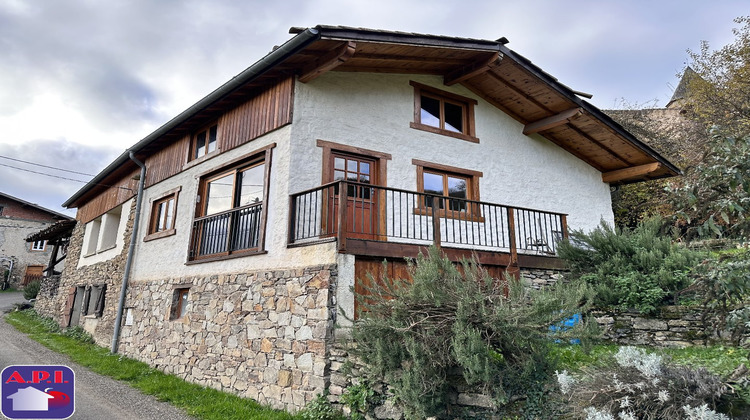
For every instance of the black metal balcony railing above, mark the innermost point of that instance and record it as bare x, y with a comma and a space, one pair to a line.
226, 232
400, 216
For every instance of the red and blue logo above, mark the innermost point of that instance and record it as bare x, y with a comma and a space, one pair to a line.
38, 392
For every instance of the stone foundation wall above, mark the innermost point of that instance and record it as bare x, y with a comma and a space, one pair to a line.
262, 335
539, 278
674, 326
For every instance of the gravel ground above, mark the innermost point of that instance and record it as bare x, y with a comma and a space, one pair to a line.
97, 397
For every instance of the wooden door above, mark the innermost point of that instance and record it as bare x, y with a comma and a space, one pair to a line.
361, 201
33, 272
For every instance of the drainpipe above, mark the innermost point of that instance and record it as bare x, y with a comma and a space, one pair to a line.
131, 252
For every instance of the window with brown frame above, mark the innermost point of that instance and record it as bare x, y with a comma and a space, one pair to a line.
443, 113
231, 214
178, 309
163, 215
458, 188
204, 142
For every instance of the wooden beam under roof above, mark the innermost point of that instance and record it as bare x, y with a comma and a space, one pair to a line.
627, 173
329, 61
552, 121
473, 69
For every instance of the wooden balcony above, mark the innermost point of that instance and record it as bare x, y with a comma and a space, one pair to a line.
388, 222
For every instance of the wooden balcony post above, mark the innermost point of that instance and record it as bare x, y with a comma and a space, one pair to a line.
435, 225
342, 216
564, 225
513, 268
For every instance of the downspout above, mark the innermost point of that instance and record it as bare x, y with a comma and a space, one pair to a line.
131, 252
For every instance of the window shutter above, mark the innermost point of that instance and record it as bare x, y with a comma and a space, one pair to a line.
85, 303
68, 312
99, 310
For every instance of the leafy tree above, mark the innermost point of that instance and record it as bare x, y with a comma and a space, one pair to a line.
712, 199
451, 325
719, 96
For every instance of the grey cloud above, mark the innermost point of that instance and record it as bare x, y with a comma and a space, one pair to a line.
46, 191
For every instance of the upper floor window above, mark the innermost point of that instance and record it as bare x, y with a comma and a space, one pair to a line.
101, 234
1, 210
204, 142
443, 113
230, 215
38, 245
452, 192
163, 214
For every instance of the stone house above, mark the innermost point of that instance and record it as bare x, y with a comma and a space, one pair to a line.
18, 220
241, 226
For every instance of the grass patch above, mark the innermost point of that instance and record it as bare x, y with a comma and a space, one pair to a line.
9, 290
198, 401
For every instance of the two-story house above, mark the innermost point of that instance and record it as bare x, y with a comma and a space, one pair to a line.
24, 261
241, 226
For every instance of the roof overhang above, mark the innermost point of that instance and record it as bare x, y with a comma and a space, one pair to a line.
505, 79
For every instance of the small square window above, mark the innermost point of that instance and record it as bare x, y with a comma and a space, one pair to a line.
443, 113
163, 215
179, 303
204, 142
452, 192
1, 210
38, 245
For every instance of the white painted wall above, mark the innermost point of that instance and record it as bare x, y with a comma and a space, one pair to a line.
373, 111
166, 257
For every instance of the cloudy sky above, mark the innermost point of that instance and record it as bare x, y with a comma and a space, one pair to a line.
82, 80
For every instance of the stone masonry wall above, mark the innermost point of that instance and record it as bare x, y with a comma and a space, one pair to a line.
109, 272
262, 335
45, 300
674, 326
539, 278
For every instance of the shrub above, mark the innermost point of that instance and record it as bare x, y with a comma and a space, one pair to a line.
320, 409
639, 268
31, 290
723, 285
640, 385
446, 326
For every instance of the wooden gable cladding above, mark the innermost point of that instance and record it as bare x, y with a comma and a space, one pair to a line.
115, 194
265, 112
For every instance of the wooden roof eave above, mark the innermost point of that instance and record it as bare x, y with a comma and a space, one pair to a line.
603, 118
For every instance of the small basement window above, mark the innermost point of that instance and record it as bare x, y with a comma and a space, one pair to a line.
179, 303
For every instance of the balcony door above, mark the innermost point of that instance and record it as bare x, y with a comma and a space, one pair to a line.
361, 200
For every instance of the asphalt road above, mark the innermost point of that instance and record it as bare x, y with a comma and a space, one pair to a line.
97, 397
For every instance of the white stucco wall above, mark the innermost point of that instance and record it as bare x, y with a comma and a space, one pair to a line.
166, 257
373, 111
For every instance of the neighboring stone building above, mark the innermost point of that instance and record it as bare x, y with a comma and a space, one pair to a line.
266, 203
674, 134
18, 220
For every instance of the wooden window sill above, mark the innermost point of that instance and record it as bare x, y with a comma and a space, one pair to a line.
222, 257
436, 130
159, 235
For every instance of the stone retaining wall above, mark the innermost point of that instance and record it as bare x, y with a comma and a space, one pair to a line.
673, 326
262, 335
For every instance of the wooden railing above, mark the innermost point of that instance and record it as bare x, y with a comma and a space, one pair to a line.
226, 232
400, 216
